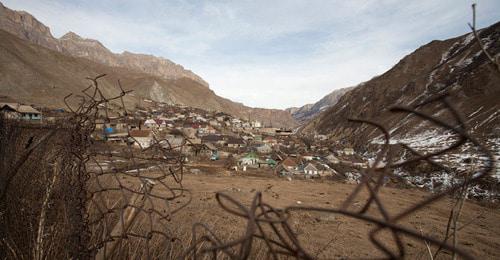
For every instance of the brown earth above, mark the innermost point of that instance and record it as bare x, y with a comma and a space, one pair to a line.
456, 66
36, 68
330, 236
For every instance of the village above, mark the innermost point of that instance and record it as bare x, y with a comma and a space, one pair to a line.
214, 138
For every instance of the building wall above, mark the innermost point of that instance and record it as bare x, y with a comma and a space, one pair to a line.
145, 142
31, 116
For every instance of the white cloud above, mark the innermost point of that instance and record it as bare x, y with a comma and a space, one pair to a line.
266, 53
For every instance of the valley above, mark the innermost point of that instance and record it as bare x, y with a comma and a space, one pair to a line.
122, 155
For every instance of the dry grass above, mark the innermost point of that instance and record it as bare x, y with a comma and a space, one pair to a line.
328, 236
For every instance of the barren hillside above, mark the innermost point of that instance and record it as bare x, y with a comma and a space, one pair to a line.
457, 66
307, 112
39, 69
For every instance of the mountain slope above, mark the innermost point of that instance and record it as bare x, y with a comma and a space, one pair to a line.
27, 27
309, 111
37, 68
456, 65
37, 75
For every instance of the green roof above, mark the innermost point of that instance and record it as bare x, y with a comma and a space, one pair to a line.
271, 161
251, 155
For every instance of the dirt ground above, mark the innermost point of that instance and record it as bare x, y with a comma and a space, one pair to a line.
330, 236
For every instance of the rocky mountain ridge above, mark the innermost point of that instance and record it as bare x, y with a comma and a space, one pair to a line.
27, 27
457, 68
307, 112
37, 68
455, 65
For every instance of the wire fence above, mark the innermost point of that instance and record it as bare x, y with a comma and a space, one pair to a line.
65, 195
271, 226
86, 198
75, 197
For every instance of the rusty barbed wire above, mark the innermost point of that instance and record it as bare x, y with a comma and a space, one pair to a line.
75, 197
113, 198
281, 241
118, 199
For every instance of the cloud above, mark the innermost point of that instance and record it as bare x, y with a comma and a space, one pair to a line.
266, 53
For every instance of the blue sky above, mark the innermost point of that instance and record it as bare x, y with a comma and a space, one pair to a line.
272, 54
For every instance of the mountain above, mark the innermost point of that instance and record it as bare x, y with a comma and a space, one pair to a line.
307, 112
39, 69
27, 27
456, 66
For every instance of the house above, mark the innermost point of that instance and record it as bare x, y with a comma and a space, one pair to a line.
308, 157
283, 132
141, 138
161, 123
249, 159
310, 169
264, 148
321, 137
247, 137
100, 124
117, 125
268, 131
348, 151
19, 111
290, 164
214, 122
151, 123
201, 119
116, 137
180, 116
256, 124
270, 140
271, 163
236, 121
324, 170
206, 130
246, 125
213, 139
172, 141
333, 159
235, 142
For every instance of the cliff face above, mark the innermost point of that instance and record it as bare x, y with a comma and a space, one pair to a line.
27, 27
456, 65
74, 45
40, 69
309, 111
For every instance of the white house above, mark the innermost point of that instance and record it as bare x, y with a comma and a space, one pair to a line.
151, 123
348, 151
19, 111
256, 124
332, 159
264, 148
310, 169
142, 138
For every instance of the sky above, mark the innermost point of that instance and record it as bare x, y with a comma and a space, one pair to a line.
272, 54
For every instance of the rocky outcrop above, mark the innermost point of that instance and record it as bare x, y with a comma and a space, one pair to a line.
37, 68
27, 27
456, 66
309, 111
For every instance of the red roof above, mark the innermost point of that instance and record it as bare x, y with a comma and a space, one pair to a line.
140, 133
289, 162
